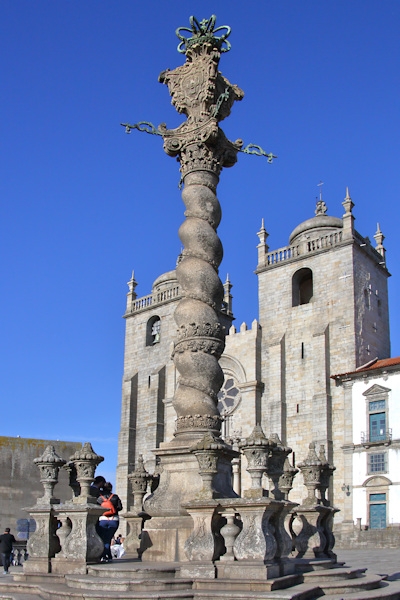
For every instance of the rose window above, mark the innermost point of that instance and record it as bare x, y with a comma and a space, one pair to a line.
228, 396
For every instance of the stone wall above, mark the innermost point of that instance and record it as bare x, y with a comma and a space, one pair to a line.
19, 477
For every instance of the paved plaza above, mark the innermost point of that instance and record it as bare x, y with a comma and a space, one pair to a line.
380, 560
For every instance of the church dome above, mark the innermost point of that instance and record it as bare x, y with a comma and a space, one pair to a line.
165, 280
321, 223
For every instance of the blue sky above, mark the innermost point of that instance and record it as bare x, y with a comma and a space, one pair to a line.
82, 204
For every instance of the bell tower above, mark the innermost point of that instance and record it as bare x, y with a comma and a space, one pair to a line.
323, 303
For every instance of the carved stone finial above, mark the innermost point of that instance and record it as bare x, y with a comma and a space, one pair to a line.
85, 461
138, 479
311, 469
276, 462
256, 449
286, 479
49, 465
207, 451
326, 474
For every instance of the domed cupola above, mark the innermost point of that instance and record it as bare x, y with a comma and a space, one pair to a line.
321, 224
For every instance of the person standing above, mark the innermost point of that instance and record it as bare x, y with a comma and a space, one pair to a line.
6, 545
109, 521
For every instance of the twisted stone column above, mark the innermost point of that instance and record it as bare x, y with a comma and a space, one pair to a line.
199, 91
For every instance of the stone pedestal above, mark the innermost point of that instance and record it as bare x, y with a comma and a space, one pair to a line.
43, 543
133, 538
310, 540
79, 541
180, 485
163, 538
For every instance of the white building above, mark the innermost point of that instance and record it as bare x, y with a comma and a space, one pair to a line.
371, 475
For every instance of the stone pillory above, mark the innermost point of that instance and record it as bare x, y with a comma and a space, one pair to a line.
206, 97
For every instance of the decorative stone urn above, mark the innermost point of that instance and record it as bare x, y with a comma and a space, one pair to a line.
138, 480
73, 483
326, 474
275, 465
311, 469
257, 449
49, 465
286, 479
85, 462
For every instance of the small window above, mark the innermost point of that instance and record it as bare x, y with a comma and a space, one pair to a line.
377, 462
367, 299
153, 331
302, 287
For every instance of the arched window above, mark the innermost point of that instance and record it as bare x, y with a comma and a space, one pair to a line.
302, 287
153, 331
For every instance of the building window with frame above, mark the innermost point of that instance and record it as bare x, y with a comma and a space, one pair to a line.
377, 429
377, 463
377, 425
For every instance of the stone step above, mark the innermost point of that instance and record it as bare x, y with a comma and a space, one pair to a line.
359, 584
386, 591
249, 585
133, 570
332, 574
126, 584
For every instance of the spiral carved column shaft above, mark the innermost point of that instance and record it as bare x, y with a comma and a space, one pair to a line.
200, 335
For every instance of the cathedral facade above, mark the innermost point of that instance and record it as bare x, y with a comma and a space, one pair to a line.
323, 311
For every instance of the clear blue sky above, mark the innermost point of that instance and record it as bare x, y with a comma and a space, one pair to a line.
82, 203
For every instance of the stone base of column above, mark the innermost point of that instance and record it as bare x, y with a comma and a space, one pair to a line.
197, 570
163, 539
286, 567
64, 566
37, 566
254, 570
181, 482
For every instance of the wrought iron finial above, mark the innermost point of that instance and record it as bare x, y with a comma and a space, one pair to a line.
203, 31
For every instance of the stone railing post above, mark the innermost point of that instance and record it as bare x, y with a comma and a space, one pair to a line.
43, 543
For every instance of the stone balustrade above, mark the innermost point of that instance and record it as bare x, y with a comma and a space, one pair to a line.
308, 246
172, 293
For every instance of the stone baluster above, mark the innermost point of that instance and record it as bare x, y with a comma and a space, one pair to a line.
229, 532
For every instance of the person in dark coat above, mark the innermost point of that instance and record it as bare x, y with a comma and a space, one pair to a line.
6, 545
